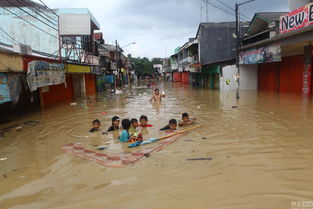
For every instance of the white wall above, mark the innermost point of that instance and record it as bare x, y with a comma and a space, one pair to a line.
44, 39
248, 77
229, 72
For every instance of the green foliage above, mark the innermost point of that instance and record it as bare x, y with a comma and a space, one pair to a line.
156, 61
142, 66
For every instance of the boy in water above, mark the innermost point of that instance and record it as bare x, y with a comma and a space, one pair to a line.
134, 125
96, 126
186, 120
157, 96
172, 125
125, 136
115, 124
134, 133
144, 121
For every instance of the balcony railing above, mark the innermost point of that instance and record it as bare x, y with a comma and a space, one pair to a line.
188, 60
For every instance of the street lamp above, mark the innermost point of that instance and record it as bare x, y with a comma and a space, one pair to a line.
128, 45
238, 37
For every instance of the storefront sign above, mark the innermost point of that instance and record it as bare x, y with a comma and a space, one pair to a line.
15, 86
4, 89
71, 68
42, 73
266, 54
297, 19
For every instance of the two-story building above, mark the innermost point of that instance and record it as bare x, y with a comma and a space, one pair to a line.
278, 50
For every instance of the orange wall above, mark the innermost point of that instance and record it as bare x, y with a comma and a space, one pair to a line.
90, 82
269, 76
291, 74
57, 93
177, 77
185, 77
288, 74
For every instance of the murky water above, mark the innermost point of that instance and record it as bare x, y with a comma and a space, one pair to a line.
262, 154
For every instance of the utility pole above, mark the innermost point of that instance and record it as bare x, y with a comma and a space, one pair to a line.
238, 41
116, 63
206, 11
237, 52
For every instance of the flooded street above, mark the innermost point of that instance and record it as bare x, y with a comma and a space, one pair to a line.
261, 149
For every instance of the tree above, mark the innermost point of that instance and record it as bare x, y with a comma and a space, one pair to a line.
156, 60
142, 66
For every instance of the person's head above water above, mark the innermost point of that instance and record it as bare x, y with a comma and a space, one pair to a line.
157, 91
96, 124
172, 124
134, 122
143, 120
185, 117
126, 124
115, 121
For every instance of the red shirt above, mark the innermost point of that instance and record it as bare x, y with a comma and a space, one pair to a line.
148, 125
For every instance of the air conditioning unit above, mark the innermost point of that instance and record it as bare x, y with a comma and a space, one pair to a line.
22, 49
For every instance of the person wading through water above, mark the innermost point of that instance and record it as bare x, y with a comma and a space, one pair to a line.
157, 96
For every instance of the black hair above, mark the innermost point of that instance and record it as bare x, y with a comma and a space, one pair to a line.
126, 124
143, 117
172, 121
156, 90
134, 120
95, 121
185, 115
115, 118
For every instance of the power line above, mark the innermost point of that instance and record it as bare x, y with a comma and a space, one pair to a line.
4, 65
9, 35
52, 21
231, 8
222, 9
49, 8
31, 15
30, 23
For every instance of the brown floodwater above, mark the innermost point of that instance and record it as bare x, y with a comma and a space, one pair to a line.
262, 153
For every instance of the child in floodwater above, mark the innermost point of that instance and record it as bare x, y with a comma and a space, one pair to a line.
125, 136
172, 125
115, 124
144, 121
134, 133
157, 96
186, 120
96, 126
134, 125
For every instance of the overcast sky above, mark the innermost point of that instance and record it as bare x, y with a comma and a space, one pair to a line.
159, 26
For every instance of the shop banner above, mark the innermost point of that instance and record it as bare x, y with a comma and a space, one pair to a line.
40, 74
296, 19
71, 68
266, 54
15, 86
4, 89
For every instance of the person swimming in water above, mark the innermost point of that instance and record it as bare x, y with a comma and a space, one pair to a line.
157, 96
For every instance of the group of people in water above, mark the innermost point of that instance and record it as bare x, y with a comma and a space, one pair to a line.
131, 133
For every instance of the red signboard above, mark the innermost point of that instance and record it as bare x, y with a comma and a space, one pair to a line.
297, 19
